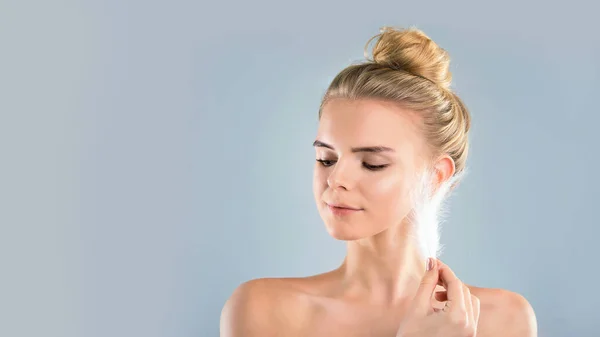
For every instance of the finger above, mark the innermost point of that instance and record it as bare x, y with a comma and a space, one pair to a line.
468, 305
454, 288
425, 290
476, 309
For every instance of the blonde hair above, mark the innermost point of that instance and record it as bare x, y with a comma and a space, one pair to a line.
410, 69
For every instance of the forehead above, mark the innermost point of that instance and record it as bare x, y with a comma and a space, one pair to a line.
367, 122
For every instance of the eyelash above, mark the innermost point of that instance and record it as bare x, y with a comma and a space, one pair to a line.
367, 166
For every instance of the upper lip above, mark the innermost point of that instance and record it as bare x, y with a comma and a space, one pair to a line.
341, 205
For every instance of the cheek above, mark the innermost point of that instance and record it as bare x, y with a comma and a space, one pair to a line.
388, 195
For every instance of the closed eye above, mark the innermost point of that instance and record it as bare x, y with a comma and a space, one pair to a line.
327, 163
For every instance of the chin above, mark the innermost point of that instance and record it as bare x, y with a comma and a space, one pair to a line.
343, 235
344, 231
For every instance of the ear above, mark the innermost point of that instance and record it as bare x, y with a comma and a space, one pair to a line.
443, 170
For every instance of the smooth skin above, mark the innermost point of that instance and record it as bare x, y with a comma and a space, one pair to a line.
367, 153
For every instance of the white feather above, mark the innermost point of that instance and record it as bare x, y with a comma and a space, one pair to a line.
428, 212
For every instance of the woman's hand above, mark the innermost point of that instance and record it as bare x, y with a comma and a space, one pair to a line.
457, 319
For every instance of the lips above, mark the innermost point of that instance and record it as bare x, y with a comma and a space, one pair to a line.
340, 209
343, 206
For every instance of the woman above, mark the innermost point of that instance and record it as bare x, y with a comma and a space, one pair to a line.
392, 142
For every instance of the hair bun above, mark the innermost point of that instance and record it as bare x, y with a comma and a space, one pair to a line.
412, 51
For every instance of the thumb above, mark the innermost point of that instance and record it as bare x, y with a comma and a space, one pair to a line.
426, 288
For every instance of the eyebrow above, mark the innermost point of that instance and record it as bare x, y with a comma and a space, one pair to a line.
374, 149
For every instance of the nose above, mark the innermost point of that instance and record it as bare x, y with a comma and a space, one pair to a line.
340, 177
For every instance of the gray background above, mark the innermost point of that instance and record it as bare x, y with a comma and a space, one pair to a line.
156, 154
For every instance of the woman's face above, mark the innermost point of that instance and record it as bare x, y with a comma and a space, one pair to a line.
368, 152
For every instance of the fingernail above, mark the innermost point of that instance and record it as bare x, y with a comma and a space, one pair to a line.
430, 262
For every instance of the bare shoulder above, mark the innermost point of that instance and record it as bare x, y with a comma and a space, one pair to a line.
262, 307
504, 313
245, 311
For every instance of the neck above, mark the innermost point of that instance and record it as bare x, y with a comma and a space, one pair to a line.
383, 269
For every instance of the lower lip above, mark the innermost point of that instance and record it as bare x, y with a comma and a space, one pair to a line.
342, 211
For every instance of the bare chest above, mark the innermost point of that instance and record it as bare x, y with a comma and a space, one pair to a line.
347, 321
